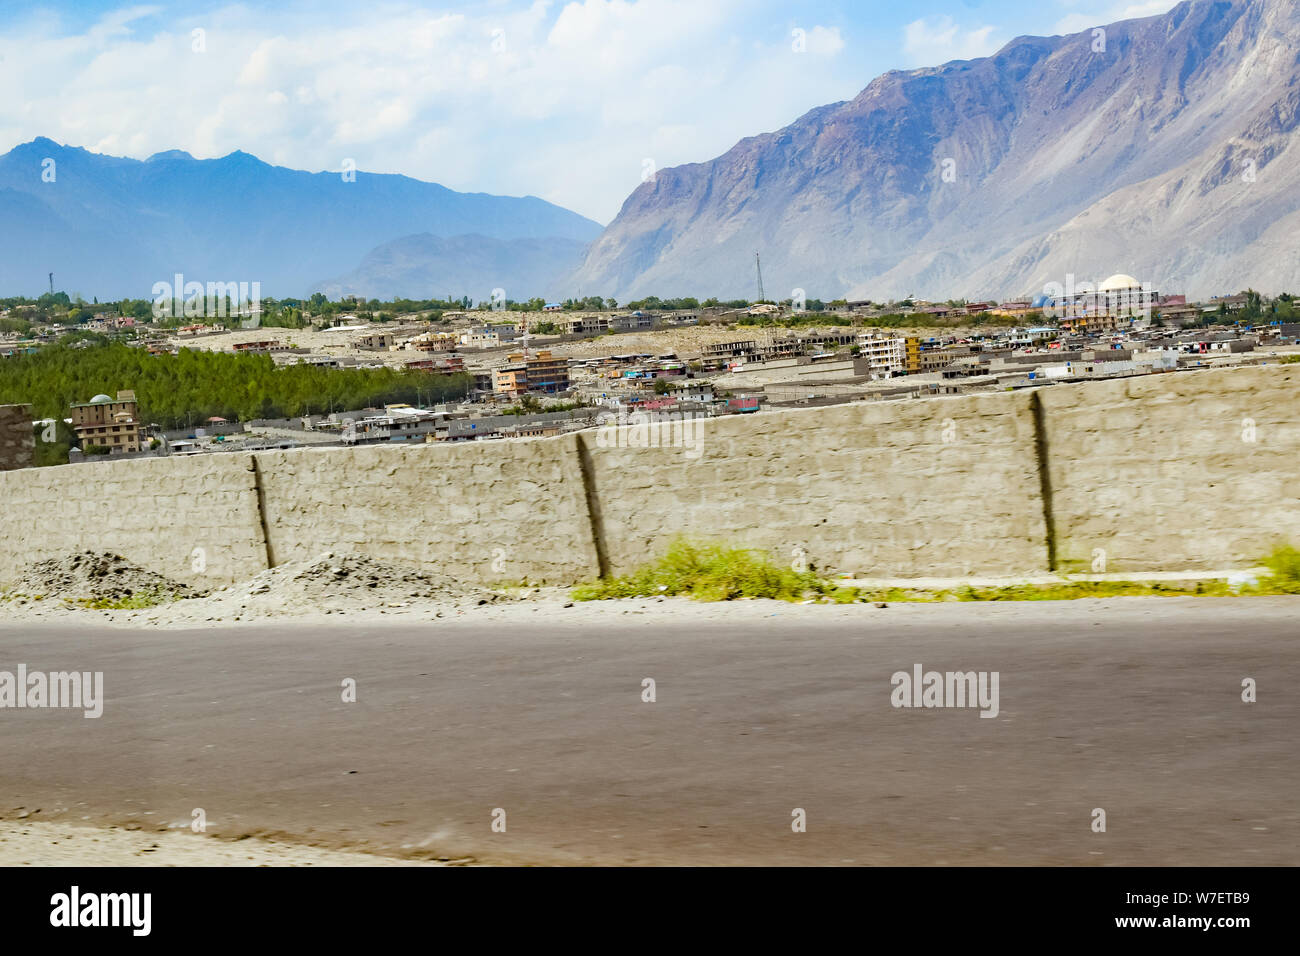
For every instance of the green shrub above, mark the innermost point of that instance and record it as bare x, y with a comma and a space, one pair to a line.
708, 572
1284, 562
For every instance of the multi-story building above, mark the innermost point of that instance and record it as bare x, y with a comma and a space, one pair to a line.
511, 381
433, 342
782, 348
586, 324
1115, 304
723, 354
108, 423
546, 373
400, 424
885, 355
379, 341
543, 373
827, 340
480, 339
633, 322
729, 349
928, 355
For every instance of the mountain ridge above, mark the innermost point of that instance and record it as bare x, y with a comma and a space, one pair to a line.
112, 226
424, 265
850, 199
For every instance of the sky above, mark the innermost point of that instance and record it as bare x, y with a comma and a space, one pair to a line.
570, 101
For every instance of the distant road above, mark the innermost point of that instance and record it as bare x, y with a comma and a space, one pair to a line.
1131, 706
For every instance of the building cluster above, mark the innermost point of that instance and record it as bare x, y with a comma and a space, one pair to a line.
900, 366
540, 374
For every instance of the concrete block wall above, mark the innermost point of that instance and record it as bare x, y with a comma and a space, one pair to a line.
480, 511
192, 519
946, 487
1158, 472
1182, 471
17, 440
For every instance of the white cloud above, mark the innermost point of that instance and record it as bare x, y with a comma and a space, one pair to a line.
821, 41
1078, 22
931, 42
562, 103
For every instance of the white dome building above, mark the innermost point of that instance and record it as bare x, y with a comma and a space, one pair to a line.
1118, 303
1120, 283
108, 423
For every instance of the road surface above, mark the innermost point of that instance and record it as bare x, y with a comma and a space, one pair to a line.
1130, 706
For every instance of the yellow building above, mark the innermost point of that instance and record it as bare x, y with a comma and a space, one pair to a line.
108, 423
510, 381
544, 373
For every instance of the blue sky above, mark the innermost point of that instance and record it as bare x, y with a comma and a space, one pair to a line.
570, 101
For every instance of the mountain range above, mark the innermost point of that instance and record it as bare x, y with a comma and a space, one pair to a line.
112, 227
418, 266
1160, 147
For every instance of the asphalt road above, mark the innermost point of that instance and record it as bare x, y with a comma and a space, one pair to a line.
1130, 706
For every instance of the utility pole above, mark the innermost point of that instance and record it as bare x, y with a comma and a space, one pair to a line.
758, 267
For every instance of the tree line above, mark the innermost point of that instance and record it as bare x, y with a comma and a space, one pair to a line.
185, 389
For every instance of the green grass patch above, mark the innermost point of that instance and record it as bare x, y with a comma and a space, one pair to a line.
9, 596
708, 572
714, 572
133, 602
1284, 562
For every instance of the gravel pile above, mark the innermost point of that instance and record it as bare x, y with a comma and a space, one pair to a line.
97, 576
333, 583
360, 578
336, 583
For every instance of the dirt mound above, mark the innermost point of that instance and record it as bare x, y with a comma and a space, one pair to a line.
332, 583
97, 576
344, 582
356, 576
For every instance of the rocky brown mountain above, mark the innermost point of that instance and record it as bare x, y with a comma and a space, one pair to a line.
1158, 147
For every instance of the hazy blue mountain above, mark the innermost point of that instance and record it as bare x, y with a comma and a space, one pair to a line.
425, 266
112, 227
1163, 148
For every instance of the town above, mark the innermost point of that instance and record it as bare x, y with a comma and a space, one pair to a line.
555, 368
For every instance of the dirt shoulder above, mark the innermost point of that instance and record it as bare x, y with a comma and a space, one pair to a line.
57, 844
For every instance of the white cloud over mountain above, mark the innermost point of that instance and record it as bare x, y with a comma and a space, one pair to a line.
562, 102
928, 42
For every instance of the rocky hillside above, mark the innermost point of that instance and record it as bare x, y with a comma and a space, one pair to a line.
1160, 147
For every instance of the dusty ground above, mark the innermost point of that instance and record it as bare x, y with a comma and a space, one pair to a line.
330, 584
350, 588
329, 341
337, 589
58, 844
